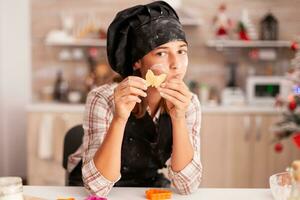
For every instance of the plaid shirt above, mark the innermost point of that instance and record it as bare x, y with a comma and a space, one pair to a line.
98, 116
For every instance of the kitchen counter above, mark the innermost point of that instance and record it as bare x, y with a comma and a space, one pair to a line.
79, 193
241, 109
55, 107
241, 128
79, 108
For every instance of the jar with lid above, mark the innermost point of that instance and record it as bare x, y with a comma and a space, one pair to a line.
11, 188
295, 175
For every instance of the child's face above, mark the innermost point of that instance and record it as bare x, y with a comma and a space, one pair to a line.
170, 58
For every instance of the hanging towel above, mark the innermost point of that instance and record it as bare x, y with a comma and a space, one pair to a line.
45, 140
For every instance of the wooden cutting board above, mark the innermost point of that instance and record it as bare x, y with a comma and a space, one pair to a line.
26, 197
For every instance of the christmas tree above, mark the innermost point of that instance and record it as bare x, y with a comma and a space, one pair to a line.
289, 126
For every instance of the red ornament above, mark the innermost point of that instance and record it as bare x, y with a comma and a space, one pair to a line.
296, 139
244, 35
294, 46
292, 105
221, 31
278, 147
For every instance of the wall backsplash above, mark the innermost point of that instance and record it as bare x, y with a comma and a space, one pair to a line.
206, 64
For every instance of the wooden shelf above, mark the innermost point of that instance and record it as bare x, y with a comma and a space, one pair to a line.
189, 18
77, 42
248, 44
186, 19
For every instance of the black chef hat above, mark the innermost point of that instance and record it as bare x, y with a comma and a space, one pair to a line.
138, 30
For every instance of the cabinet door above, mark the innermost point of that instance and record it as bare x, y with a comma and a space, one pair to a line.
226, 146
214, 150
239, 128
237, 150
63, 123
41, 171
265, 160
48, 171
262, 137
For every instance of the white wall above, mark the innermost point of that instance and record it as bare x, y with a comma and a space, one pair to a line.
1, 99
15, 56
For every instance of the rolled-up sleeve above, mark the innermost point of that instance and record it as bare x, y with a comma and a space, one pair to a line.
188, 179
98, 116
94, 181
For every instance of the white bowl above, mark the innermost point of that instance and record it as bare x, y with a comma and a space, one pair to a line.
280, 185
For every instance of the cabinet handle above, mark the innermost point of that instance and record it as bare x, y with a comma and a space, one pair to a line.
247, 123
258, 121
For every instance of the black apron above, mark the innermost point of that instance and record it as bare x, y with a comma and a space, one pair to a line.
145, 148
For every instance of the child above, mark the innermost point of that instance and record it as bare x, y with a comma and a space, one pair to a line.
131, 128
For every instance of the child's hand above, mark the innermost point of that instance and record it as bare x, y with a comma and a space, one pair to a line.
127, 94
178, 97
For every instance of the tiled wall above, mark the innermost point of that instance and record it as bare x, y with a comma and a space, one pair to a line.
206, 64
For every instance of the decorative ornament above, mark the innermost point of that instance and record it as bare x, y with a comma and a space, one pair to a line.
246, 29
278, 147
222, 23
296, 139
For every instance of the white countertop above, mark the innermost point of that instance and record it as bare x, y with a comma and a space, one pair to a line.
55, 107
79, 108
241, 109
79, 193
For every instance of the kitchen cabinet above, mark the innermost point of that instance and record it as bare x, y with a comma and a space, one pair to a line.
239, 149
48, 170
261, 140
225, 150
214, 150
236, 150
265, 161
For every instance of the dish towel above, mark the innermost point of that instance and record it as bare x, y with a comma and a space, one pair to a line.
45, 150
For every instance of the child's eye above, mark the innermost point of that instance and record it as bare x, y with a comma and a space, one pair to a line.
182, 52
161, 53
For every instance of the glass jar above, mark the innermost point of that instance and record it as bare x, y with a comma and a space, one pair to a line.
294, 173
281, 185
295, 192
11, 188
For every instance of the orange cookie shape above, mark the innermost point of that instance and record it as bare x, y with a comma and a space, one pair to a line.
153, 80
158, 194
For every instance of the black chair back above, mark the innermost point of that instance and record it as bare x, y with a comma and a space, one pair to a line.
72, 141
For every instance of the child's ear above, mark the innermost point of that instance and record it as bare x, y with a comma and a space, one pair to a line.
137, 65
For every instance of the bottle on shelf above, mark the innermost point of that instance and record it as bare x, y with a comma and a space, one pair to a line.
204, 93
60, 88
